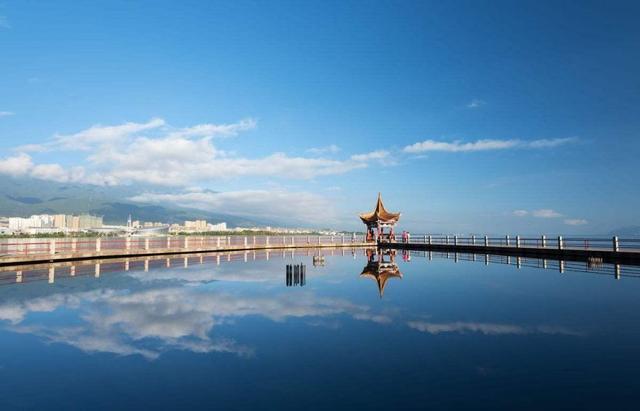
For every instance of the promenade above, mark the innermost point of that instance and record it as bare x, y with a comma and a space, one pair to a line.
609, 250
34, 251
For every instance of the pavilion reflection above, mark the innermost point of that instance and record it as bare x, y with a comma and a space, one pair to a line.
381, 266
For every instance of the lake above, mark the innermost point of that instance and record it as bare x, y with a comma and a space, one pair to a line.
355, 330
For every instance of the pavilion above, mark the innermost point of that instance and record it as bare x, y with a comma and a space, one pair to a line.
379, 219
380, 270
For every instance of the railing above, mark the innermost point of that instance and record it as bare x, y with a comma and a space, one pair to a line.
615, 243
78, 246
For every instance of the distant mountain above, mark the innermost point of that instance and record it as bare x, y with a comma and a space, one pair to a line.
24, 200
630, 231
24, 197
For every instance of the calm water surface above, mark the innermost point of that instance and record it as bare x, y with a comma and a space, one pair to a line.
233, 336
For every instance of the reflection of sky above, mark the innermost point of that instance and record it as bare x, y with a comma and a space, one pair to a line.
179, 308
171, 308
244, 311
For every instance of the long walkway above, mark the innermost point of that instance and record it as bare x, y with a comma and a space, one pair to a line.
612, 249
33, 251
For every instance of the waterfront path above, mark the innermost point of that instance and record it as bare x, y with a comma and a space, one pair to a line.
33, 251
613, 249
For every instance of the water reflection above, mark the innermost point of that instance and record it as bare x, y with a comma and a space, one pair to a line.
205, 326
160, 308
150, 306
381, 266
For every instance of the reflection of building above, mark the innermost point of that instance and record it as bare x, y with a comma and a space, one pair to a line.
380, 267
379, 219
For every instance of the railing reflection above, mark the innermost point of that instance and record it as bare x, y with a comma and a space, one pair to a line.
592, 265
51, 272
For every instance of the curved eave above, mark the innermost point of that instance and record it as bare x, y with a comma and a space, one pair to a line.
380, 214
373, 217
381, 278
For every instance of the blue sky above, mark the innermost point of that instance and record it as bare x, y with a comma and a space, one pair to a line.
468, 116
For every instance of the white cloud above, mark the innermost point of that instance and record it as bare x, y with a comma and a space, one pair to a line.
53, 172
155, 153
269, 204
484, 145
103, 135
22, 165
550, 143
6, 113
463, 327
546, 213
31, 148
175, 162
332, 149
374, 155
17, 165
575, 221
211, 130
457, 146
476, 103
541, 213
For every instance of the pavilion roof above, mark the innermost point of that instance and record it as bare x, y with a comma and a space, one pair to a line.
380, 214
380, 273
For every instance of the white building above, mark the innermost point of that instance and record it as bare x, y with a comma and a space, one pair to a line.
217, 227
54, 223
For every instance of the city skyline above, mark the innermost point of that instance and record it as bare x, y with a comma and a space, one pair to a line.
504, 118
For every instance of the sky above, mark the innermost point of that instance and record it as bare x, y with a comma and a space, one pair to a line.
496, 117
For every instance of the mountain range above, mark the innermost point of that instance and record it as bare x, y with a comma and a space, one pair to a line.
21, 197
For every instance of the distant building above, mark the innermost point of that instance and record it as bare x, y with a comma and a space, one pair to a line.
60, 221
42, 221
217, 227
154, 230
45, 223
17, 223
197, 225
86, 221
73, 222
